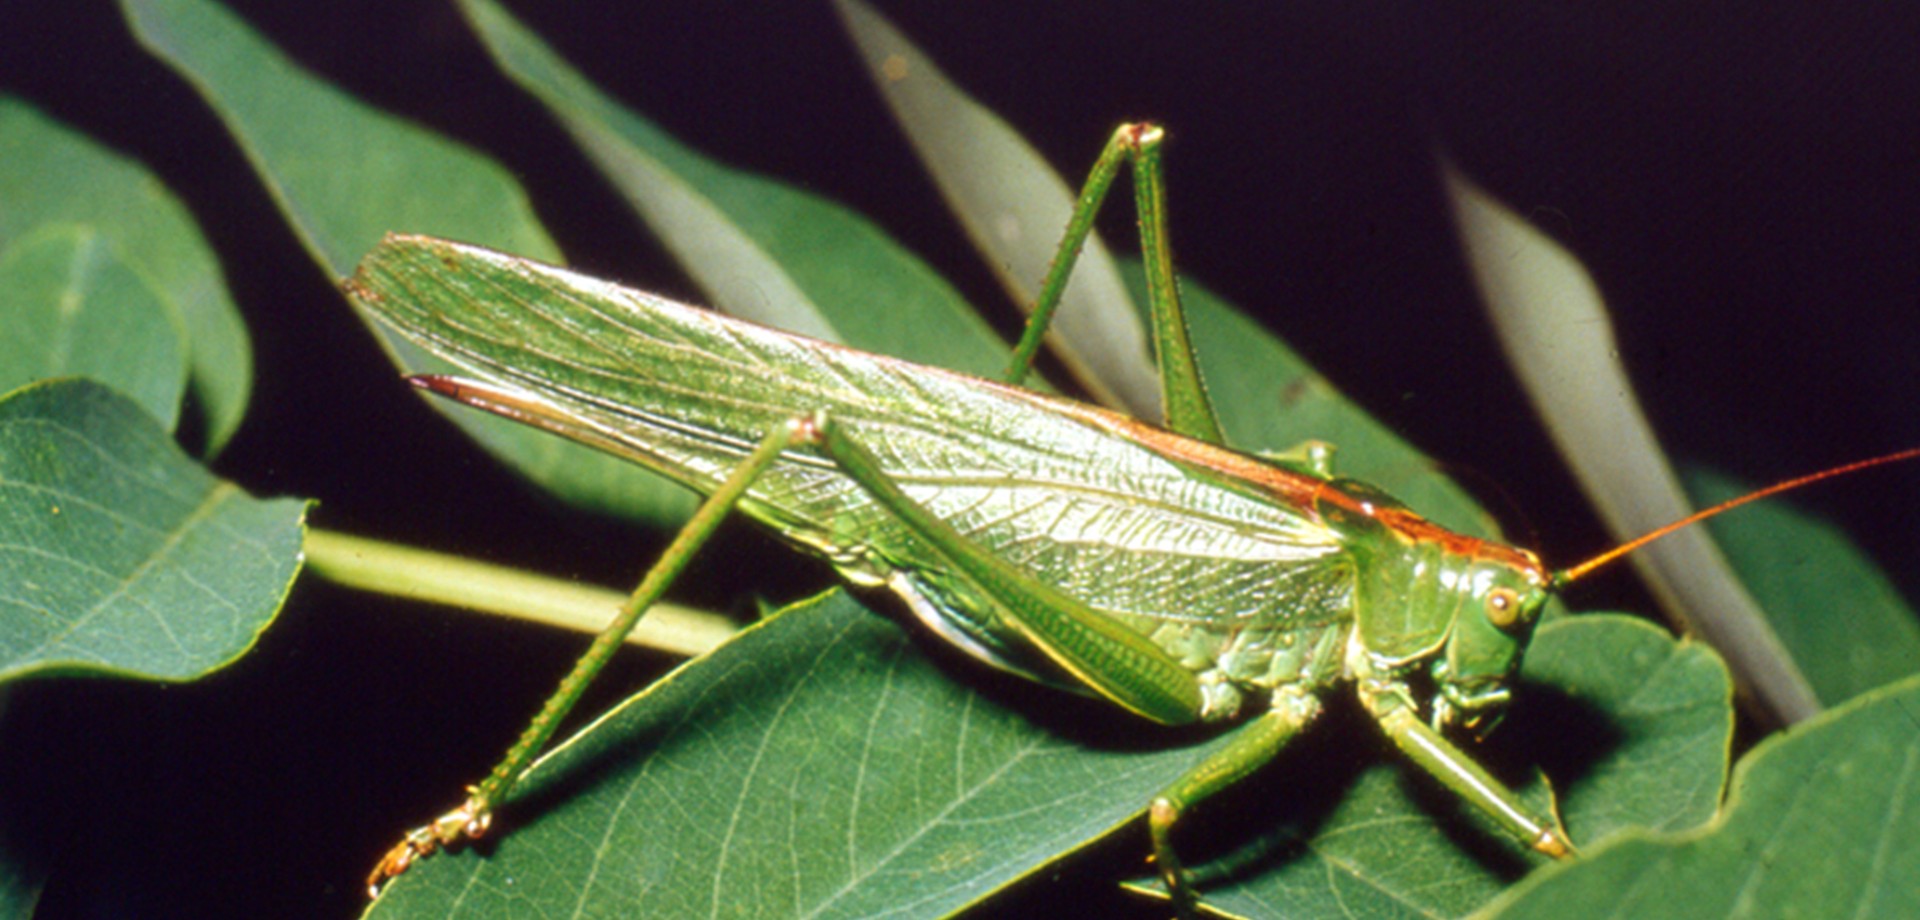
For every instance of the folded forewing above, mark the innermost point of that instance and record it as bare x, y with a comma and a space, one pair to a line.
688, 392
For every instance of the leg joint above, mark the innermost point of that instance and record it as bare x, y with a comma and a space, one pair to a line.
1137, 136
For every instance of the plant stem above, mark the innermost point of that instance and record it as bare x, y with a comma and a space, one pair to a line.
417, 574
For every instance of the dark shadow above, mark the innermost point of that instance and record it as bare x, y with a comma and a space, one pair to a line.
1269, 819
1561, 734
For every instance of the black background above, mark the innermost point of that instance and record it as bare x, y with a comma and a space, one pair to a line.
1744, 184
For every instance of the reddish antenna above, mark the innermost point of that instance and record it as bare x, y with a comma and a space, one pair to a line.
1564, 576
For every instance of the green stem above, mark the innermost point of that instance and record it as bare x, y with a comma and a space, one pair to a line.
404, 571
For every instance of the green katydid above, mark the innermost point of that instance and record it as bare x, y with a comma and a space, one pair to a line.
1153, 568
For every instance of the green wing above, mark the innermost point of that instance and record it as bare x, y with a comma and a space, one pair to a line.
1199, 563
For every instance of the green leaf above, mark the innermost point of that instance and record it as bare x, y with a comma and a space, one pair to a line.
298, 131
1823, 821
118, 554
1845, 622
761, 250
815, 766
73, 308
346, 174
50, 175
1631, 727
1667, 706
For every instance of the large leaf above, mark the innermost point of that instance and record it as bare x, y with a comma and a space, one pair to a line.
1847, 626
118, 554
297, 130
49, 175
71, 307
761, 250
816, 766
1823, 821
1661, 755
1632, 728
345, 174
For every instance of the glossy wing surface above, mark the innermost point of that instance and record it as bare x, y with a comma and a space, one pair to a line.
688, 392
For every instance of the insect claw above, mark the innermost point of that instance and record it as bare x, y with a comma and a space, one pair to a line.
808, 428
418, 843
1553, 844
468, 822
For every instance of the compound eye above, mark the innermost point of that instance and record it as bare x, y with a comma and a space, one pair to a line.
1503, 607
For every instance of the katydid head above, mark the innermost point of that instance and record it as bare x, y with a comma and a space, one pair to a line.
1499, 601
1426, 597
1496, 594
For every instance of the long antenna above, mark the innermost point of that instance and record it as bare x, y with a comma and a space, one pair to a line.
1564, 576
